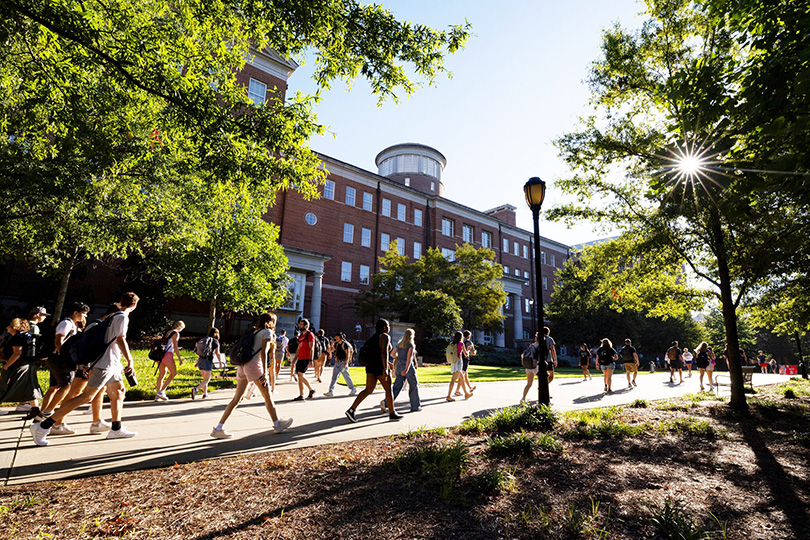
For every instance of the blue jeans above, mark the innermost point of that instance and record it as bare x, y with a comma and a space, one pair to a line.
413, 384
338, 369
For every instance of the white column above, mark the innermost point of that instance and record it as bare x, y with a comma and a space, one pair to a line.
517, 312
478, 336
499, 337
315, 302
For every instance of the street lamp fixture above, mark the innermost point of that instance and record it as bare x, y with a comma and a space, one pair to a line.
535, 191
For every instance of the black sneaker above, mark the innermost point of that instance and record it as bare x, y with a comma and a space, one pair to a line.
311, 394
395, 416
350, 415
299, 398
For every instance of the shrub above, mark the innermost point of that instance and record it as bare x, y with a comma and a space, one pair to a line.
510, 419
493, 481
639, 404
440, 464
673, 522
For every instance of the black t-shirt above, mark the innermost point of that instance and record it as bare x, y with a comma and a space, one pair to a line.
342, 351
20, 339
605, 355
627, 354
584, 356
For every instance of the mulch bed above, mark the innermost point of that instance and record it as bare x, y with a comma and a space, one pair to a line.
753, 479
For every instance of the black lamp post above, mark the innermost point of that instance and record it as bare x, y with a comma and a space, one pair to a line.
535, 190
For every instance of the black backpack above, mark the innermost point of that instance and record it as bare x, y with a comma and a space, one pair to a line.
292, 346
242, 351
366, 354
87, 348
605, 356
319, 350
529, 356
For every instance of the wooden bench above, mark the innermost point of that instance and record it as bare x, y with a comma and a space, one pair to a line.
747, 373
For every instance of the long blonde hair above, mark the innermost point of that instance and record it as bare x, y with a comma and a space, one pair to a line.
407, 340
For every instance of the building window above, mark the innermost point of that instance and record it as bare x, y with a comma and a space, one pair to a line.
417, 217
553, 260
364, 273
329, 190
506, 270
433, 186
407, 182
310, 218
505, 246
467, 234
449, 254
447, 227
345, 271
545, 283
525, 252
365, 237
527, 305
543, 257
401, 246
525, 275
401, 212
385, 240
417, 250
257, 92
516, 249
367, 201
350, 194
508, 304
348, 233
517, 272
386, 208
488, 337
295, 292
486, 239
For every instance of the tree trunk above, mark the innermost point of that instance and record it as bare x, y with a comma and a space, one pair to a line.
730, 319
63, 287
212, 313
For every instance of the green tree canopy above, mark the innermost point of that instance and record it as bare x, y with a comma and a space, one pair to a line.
668, 153
468, 285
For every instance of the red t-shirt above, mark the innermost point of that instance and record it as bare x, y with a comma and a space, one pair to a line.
304, 347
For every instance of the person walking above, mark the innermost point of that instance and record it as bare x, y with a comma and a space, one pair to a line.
32, 355
255, 371
551, 353
320, 362
468, 352
343, 357
205, 362
630, 359
377, 370
762, 360
585, 361
531, 372
687, 360
18, 380
306, 356
292, 351
454, 354
282, 341
405, 370
675, 359
107, 373
704, 358
607, 356
171, 349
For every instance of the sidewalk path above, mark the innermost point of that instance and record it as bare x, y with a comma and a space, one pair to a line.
177, 431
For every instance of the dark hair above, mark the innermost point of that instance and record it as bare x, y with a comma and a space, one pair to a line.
341, 335
467, 333
305, 321
628, 342
321, 332
674, 343
546, 331
79, 307
129, 299
214, 333
381, 323
265, 320
457, 337
115, 307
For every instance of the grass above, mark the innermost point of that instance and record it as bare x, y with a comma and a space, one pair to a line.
509, 419
601, 423
493, 482
692, 426
672, 521
440, 464
422, 432
522, 444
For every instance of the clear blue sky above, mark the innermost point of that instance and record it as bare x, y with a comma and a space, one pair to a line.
518, 85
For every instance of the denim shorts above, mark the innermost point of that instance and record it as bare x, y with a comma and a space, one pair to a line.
612, 366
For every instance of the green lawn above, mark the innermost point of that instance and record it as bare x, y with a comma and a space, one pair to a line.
441, 374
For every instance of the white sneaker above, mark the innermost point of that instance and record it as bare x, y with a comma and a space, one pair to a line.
353, 392
282, 425
328, 394
100, 427
221, 434
39, 434
122, 433
161, 397
23, 407
62, 429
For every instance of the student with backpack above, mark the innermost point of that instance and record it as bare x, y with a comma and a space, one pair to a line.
18, 380
320, 361
530, 359
292, 351
106, 372
585, 361
31, 354
249, 355
343, 357
61, 366
704, 358
308, 351
171, 349
630, 359
675, 361
282, 341
454, 354
374, 355
206, 349
606, 355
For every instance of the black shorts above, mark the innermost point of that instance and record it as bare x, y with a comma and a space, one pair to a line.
61, 374
376, 369
465, 363
675, 364
584, 363
550, 366
302, 365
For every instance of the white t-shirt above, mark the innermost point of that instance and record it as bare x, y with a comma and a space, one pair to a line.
258, 340
112, 356
687, 357
66, 328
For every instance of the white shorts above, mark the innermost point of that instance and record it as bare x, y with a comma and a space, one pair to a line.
457, 366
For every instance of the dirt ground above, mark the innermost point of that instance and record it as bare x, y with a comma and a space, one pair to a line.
667, 470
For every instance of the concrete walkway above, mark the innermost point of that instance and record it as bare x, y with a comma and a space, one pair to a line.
178, 431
